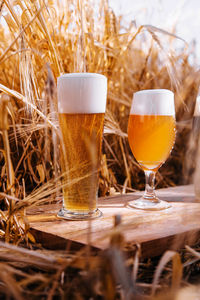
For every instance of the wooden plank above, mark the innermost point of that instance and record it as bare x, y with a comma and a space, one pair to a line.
156, 231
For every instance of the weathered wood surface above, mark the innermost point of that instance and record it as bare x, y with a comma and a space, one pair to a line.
156, 231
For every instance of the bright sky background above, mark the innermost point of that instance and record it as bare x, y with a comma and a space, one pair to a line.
185, 14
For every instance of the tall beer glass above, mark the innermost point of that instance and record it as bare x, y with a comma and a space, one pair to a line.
151, 135
81, 108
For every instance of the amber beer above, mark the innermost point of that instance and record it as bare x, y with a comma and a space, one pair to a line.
81, 106
82, 136
151, 138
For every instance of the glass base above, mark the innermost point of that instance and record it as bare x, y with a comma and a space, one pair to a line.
148, 204
77, 216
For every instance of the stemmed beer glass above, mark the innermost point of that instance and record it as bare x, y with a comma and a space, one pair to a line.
151, 135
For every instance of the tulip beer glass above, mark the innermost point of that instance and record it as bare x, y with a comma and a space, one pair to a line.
151, 135
81, 108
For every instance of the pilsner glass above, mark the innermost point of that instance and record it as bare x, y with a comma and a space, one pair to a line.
81, 108
151, 135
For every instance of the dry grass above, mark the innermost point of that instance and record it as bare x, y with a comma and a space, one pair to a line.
61, 274
39, 41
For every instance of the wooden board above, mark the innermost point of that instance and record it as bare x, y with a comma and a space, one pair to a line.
156, 231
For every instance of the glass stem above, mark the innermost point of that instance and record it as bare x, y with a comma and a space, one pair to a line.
149, 193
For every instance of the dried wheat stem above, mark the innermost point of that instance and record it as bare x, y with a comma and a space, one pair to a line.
25, 101
20, 33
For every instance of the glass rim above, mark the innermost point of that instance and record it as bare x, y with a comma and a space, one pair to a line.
155, 91
82, 75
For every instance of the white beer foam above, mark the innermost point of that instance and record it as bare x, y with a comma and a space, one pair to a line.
153, 102
82, 93
197, 107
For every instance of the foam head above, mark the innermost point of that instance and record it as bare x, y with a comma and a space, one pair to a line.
82, 93
153, 102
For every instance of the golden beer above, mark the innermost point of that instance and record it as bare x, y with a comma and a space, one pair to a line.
81, 109
151, 138
82, 138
